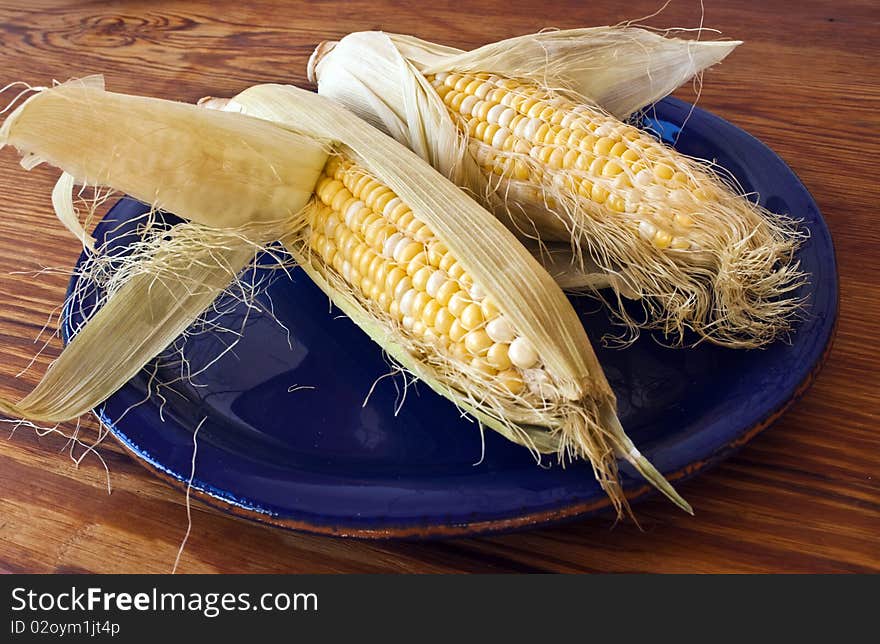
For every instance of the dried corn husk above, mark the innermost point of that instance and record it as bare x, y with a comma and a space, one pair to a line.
168, 154
240, 181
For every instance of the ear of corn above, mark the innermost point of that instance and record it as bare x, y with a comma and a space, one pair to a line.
556, 166
455, 299
499, 296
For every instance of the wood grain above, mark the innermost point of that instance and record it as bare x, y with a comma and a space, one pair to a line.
803, 496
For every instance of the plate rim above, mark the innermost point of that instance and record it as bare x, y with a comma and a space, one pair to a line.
437, 528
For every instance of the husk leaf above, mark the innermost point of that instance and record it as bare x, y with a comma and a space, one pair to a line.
380, 77
136, 324
172, 155
242, 181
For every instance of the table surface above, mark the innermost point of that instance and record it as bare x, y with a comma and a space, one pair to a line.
802, 496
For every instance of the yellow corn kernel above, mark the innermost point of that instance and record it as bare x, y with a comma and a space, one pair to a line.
429, 312
511, 380
456, 331
497, 356
663, 171
471, 316
477, 342
443, 321
483, 366
420, 279
458, 303
446, 291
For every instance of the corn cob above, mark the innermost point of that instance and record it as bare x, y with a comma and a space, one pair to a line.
557, 167
376, 244
620, 167
439, 283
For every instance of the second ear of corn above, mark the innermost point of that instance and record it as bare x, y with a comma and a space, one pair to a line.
439, 283
557, 167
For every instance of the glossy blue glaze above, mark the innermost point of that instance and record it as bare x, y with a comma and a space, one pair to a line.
327, 460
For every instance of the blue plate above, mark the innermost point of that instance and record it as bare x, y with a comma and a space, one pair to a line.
320, 459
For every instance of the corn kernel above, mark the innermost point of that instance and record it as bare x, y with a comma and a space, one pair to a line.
443, 320
663, 171
483, 366
603, 146
522, 354
498, 356
472, 316
511, 381
477, 342
393, 279
458, 303
429, 312
456, 331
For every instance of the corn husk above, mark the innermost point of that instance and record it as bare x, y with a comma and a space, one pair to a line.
239, 181
136, 324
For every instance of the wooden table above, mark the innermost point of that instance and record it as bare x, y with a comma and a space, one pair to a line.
802, 496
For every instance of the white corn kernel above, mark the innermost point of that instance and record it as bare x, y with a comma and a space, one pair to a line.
679, 197
495, 113
399, 248
467, 105
568, 119
390, 206
647, 230
476, 292
390, 245
406, 302
500, 330
437, 279
531, 127
643, 178
352, 210
500, 137
506, 117
522, 353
